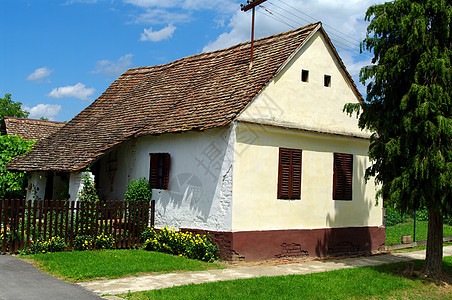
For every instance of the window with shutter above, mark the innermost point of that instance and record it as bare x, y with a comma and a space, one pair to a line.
159, 170
289, 174
342, 176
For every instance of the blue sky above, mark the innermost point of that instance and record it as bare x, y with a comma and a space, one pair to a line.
57, 57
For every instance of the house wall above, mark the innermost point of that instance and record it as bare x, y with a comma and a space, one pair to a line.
200, 181
288, 102
256, 206
76, 184
36, 185
264, 226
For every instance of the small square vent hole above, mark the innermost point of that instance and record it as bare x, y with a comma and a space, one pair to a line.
327, 80
304, 75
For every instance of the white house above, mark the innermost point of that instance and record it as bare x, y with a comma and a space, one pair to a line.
262, 157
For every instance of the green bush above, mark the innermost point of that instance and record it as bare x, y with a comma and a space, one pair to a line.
186, 244
393, 217
422, 215
104, 241
54, 244
86, 242
89, 196
138, 192
83, 242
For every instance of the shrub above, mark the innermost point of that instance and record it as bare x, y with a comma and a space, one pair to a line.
88, 195
138, 192
83, 242
3, 235
54, 244
186, 244
393, 217
422, 215
104, 241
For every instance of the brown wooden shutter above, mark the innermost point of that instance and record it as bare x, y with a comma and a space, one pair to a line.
296, 174
342, 176
166, 168
289, 174
153, 170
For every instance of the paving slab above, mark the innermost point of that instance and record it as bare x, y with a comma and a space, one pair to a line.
20, 280
152, 282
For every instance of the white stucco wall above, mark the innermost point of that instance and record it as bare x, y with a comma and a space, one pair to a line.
288, 102
200, 184
256, 206
76, 184
36, 185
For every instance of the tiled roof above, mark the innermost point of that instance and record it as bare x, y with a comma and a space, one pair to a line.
198, 92
29, 129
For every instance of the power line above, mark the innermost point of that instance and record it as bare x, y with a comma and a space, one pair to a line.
270, 15
339, 41
315, 19
305, 20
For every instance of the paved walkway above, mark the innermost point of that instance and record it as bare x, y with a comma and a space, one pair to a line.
152, 282
20, 280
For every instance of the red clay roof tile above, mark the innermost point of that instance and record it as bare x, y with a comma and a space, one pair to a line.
29, 129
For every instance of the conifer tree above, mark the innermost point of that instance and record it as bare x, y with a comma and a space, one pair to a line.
408, 108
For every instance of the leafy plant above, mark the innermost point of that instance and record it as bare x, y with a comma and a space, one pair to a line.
54, 244
10, 108
138, 192
88, 195
104, 241
83, 242
393, 217
186, 244
12, 184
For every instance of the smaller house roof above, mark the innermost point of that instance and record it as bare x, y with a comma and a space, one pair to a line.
29, 129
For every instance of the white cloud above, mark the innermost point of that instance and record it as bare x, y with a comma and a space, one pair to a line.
162, 16
80, 1
153, 3
76, 91
113, 68
48, 111
39, 74
155, 36
179, 11
219, 5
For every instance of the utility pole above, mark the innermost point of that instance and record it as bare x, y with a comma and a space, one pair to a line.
252, 5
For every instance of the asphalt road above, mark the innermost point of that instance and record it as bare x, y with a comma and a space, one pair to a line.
20, 280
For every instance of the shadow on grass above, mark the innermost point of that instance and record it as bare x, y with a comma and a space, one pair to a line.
400, 268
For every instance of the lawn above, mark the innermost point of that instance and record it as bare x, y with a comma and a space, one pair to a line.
78, 266
381, 282
393, 233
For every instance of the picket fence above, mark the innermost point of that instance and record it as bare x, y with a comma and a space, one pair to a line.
23, 221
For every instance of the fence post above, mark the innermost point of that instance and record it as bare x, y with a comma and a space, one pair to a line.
152, 213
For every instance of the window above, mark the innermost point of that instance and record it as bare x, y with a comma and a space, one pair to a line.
289, 174
342, 176
327, 80
159, 171
304, 75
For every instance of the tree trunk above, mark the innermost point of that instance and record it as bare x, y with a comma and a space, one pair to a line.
434, 255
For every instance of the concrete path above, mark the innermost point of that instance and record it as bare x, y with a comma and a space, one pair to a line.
152, 282
20, 280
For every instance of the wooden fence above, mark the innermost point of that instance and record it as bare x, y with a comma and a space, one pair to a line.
22, 222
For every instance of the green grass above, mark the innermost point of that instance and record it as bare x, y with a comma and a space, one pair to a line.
78, 266
381, 282
417, 248
393, 233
